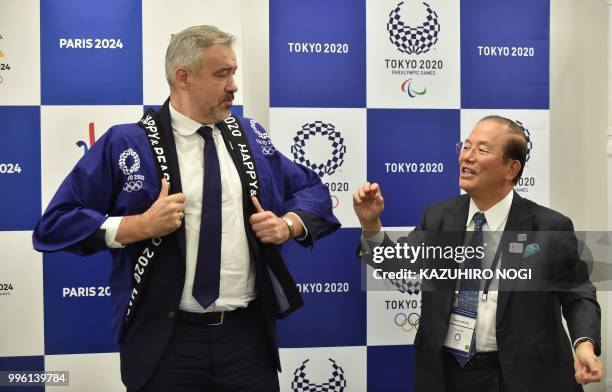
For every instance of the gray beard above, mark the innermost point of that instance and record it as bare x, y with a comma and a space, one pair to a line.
218, 114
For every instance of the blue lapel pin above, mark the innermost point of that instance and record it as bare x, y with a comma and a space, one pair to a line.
531, 250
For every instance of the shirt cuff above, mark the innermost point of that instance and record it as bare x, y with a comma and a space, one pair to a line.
583, 338
371, 241
305, 235
110, 227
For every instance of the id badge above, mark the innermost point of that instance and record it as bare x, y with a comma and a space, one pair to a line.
461, 327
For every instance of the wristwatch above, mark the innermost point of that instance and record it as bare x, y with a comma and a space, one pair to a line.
289, 223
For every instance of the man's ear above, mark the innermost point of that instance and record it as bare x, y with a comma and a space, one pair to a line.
181, 78
515, 167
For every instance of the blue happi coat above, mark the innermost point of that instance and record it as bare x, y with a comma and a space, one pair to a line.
118, 177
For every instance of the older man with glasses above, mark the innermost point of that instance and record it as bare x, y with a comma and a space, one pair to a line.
489, 334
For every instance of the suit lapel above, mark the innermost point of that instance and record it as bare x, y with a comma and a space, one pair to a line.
455, 215
441, 293
519, 220
176, 186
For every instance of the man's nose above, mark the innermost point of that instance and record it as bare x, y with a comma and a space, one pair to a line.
468, 155
232, 86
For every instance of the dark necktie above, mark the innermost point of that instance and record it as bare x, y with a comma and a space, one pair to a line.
208, 266
469, 288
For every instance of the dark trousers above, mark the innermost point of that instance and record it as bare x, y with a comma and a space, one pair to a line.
480, 379
232, 357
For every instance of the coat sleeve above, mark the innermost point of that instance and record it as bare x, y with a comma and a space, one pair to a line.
576, 292
305, 194
298, 189
73, 218
413, 238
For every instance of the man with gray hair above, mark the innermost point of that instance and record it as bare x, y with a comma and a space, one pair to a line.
193, 203
488, 334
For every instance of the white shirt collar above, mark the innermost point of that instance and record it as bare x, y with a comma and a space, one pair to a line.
496, 215
183, 124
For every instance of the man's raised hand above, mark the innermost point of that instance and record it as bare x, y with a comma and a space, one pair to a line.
369, 204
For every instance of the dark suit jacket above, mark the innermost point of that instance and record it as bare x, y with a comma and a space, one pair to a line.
534, 350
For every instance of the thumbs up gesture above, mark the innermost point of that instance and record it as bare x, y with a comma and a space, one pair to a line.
163, 217
268, 227
166, 214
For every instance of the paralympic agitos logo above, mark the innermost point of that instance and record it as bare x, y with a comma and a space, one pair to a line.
407, 87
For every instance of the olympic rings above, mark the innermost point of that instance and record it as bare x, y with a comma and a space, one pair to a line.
132, 186
412, 320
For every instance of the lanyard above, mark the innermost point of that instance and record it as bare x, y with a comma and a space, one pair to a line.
487, 285
496, 258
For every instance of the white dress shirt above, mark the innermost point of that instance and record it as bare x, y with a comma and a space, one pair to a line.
496, 217
237, 284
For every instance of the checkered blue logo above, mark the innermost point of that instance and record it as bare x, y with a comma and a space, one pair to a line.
336, 383
405, 286
413, 40
529, 140
335, 139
